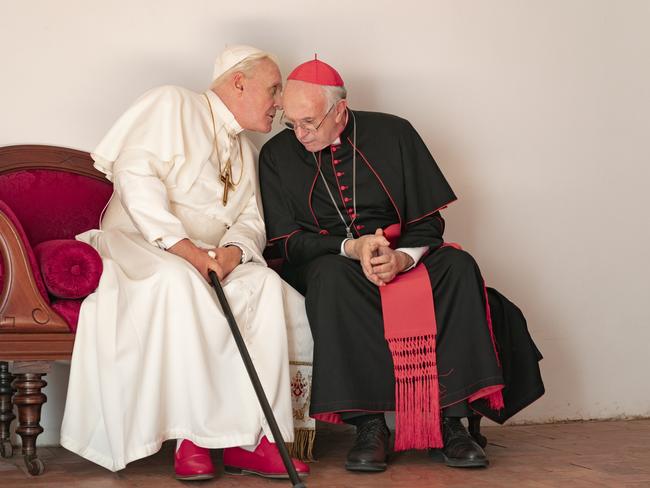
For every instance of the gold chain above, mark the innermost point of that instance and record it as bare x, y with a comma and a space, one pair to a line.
226, 172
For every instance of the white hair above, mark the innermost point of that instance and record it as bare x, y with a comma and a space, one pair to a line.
334, 93
245, 66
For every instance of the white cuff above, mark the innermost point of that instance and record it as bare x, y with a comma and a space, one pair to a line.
245, 256
343, 253
416, 254
167, 241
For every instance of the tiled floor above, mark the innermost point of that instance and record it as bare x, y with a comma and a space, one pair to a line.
581, 454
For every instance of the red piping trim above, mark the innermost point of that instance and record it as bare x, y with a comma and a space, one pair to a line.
381, 182
286, 242
488, 315
486, 393
345, 207
338, 183
270, 241
432, 212
330, 417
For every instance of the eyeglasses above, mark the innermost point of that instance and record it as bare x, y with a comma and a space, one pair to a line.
309, 127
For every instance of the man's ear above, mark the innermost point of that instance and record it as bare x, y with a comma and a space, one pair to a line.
341, 105
238, 82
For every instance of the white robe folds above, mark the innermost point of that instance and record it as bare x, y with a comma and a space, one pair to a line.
154, 358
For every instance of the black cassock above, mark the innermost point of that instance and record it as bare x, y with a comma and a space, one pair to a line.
397, 181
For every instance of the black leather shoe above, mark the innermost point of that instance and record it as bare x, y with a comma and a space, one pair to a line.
370, 449
460, 449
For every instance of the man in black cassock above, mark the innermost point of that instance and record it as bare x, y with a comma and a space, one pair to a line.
353, 201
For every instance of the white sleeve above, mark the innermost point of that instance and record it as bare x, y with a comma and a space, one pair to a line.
343, 253
138, 179
247, 233
415, 252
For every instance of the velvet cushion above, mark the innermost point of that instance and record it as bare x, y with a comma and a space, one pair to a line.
4, 208
70, 269
69, 310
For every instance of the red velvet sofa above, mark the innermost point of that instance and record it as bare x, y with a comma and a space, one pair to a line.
47, 196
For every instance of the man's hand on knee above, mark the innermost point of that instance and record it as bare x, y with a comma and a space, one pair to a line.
228, 258
199, 258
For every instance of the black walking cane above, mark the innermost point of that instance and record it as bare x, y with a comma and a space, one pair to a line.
261, 396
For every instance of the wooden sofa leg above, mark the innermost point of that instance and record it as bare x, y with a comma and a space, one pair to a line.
29, 399
6, 410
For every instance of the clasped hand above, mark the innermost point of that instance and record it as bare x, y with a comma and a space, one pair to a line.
380, 263
225, 258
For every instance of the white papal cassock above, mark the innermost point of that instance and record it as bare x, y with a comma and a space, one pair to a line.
154, 358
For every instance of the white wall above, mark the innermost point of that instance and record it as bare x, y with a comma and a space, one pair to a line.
536, 111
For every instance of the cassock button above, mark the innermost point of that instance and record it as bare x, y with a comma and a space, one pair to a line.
346, 199
334, 148
336, 161
350, 210
323, 232
353, 215
344, 187
360, 226
339, 173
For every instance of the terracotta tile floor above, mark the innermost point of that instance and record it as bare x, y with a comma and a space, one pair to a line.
580, 454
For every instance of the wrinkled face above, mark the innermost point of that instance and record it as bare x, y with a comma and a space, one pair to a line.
259, 97
305, 105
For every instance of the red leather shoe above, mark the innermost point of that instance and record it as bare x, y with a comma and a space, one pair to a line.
264, 461
192, 462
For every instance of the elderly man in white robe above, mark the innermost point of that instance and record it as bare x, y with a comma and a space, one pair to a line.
154, 358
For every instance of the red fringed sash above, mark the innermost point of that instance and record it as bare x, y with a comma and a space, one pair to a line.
410, 329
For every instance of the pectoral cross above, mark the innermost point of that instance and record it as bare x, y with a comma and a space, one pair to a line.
226, 179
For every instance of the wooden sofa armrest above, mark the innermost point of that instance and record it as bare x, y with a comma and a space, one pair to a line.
29, 327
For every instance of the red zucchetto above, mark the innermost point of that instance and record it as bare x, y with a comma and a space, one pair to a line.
316, 72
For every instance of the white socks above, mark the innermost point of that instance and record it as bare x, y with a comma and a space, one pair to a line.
250, 448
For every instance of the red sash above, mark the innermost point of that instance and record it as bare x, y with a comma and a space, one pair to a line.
410, 329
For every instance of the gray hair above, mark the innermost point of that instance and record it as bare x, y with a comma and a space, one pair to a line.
334, 93
246, 66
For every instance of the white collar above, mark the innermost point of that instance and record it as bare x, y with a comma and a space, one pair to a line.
223, 116
337, 141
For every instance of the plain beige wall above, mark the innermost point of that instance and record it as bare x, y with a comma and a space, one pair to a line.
538, 112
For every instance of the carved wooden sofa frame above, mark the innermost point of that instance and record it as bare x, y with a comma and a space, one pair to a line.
32, 334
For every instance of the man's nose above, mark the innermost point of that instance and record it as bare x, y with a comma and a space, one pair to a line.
300, 132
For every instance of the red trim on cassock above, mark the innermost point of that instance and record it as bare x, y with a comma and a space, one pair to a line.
330, 417
335, 417
432, 212
338, 183
271, 241
345, 207
493, 394
286, 248
381, 182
